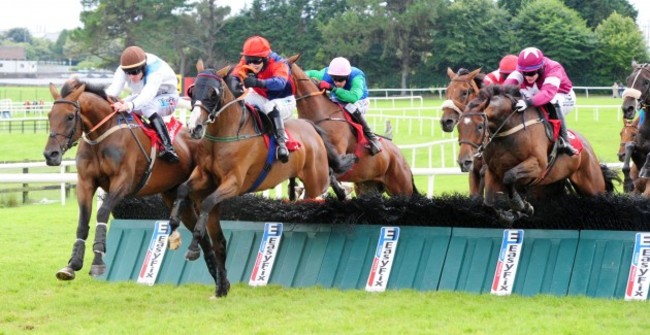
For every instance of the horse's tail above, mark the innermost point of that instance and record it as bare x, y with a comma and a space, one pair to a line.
339, 164
415, 189
610, 176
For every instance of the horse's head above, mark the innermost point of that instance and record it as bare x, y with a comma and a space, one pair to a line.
472, 133
462, 88
498, 104
206, 95
637, 91
65, 122
628, 133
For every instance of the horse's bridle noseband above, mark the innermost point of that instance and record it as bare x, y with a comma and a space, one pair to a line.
484, 135
71, 141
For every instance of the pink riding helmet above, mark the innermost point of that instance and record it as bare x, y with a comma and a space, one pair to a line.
530, 59
339, 66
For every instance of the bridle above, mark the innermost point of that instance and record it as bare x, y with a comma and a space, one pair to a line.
484, 134
456, 105
71, 140
640, 97
309, 95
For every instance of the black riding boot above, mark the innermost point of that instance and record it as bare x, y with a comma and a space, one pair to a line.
375, 146
565, 144
282, 153
168, 153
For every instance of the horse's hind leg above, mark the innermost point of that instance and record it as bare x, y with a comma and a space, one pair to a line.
85, 191
99, 247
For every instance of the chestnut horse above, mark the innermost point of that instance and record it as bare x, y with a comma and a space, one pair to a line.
630, 171
116, 155
234, 159
519, 155
386, 171
462, 88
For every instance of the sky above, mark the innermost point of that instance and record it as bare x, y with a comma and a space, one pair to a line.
52, 16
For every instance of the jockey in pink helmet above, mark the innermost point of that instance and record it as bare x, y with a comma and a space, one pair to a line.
348, 88
543, 80
507, 64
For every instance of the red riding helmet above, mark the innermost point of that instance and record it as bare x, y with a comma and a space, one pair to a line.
508, 64
256, 46
530, 59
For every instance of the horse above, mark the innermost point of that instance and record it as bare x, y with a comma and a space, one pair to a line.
637, 96
520, 155
462, 89
472, 136
233, 159
114, 154
626, 147
387, 171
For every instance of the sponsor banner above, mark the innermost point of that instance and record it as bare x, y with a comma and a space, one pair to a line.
506, 271
155, 254
266, 254
383, 260
639, 277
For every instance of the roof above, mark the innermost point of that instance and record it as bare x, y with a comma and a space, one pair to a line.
12, 53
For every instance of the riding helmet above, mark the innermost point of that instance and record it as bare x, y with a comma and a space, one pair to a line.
132, 57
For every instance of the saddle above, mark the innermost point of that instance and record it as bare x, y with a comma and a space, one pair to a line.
173, 127
553, 125
357, 129
264, 125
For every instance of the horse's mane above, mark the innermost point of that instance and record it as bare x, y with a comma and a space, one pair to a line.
74, 83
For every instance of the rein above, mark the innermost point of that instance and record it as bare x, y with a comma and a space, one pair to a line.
214, 113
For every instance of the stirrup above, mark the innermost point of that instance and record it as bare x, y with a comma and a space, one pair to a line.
282, 153
567, 148
169, 155
373, 146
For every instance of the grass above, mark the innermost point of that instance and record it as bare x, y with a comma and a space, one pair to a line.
37, 241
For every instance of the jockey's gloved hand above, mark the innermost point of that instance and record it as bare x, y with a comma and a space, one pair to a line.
323, 85
252, 81
522, 105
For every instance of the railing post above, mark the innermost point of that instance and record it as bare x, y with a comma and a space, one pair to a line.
25, 188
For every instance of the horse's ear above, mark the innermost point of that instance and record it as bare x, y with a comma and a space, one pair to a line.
224, 71
199, 65
294, 58
451, 73
634, 64
475, 72
55, 93
77, 92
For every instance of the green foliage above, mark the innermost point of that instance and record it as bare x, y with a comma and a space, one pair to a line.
595, 11
560, 33
620, 42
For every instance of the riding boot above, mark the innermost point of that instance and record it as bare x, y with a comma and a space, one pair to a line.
373, 141
565, 145
168, 153
282, 153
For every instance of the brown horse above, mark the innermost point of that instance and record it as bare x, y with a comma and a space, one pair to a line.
472, 137
234, 159
630, 171
115, 155
635, 97
386, 171
462, 88
520, 155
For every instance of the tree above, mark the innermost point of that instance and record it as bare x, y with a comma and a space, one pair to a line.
560, 33
400, 32
595, 11
19, 35
471, 41
619, 42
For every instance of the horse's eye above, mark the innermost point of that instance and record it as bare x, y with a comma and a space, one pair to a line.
480, 127
70, 117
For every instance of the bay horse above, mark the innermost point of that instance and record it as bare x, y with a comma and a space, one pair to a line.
519, 155
234, 159
114, 154
462, 88
626, 147
388, 171
472, 137
637, 96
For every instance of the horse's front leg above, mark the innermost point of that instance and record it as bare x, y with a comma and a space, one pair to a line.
112, 198
214, 251
196, 180
227, 189
628, 182
85, 192
644, 172
522, 174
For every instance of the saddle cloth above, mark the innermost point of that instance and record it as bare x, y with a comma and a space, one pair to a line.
173, 127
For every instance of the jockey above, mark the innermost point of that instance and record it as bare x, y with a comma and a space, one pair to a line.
272, 89
507, 64
349, 88
543, 80
153, 92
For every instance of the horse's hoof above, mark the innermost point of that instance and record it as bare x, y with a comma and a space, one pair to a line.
644, 173
192, 255
65, 274
175, 240
97, 270
507, 217
529, 210
222, 291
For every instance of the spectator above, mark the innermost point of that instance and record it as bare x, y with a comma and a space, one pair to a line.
621, 88
615, 90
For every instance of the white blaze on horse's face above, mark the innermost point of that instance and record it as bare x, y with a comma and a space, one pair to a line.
194, 116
